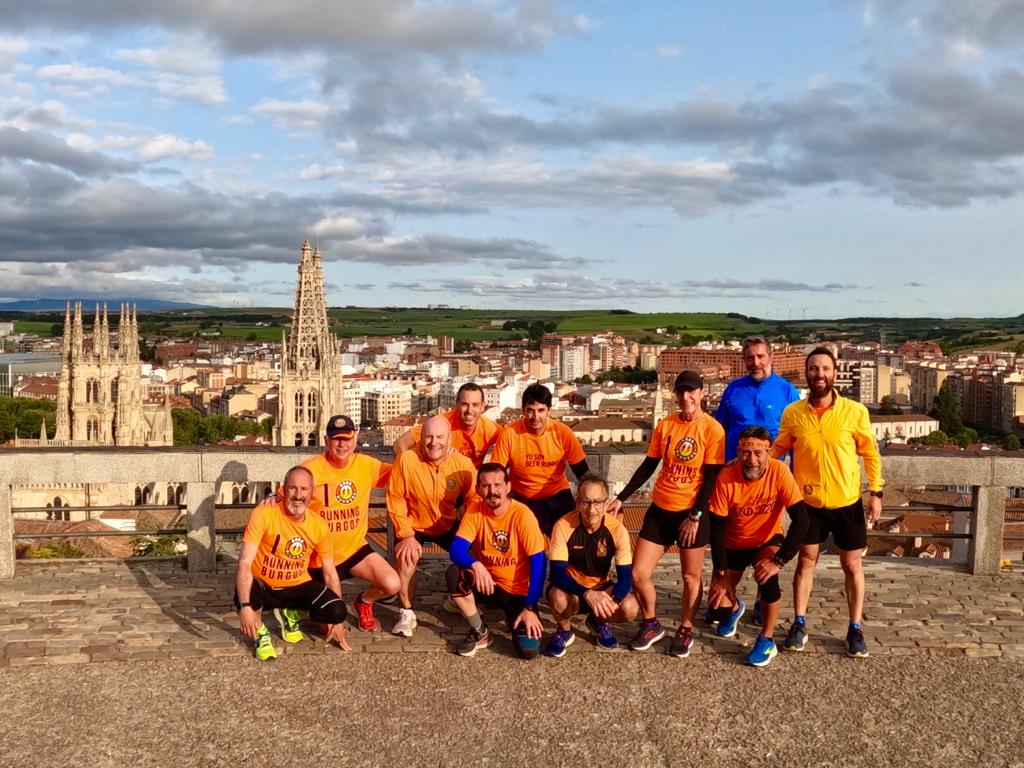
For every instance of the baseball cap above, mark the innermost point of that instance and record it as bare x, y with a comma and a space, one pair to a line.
340, 425
688, 380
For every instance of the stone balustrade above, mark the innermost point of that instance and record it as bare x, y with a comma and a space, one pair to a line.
203, 469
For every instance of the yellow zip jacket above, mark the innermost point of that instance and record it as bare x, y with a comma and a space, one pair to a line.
825, 451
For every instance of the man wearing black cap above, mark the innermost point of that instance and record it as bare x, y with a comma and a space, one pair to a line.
690, 446
343, 481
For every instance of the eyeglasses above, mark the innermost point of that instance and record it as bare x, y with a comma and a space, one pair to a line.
593, 502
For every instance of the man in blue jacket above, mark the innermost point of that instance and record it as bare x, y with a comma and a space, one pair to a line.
755, 400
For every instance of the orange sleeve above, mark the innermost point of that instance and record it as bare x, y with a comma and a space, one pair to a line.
398, 509
382, 475
719, 504
789, 490
256, 526
559, 549
574, 453
529, 530
654, 447
716, 444
468, 528
502, 453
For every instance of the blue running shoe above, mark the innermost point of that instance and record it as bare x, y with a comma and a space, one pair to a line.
764, 651
559, 641
727, 628
855, 645
796, 639
603, 635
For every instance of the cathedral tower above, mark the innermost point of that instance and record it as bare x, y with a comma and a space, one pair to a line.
310, 388
99, 398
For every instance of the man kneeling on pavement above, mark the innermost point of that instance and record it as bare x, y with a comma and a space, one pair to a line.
281, 535
746, 529
498, 560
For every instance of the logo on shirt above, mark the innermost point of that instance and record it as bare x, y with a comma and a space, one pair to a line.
346, 492
501, 541
686, 449
295, 548
602, 548
451, 483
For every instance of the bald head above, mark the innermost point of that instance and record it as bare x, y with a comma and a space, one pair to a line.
435, 439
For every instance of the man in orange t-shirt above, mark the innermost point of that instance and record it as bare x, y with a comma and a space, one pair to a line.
536, 449
498, 559
281, 535
690, 446
472, 433
746, 529
343, 482
427, 487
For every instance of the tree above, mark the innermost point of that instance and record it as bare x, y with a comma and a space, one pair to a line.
947, 410
938, 437
888, 407
585, 379
1011, 442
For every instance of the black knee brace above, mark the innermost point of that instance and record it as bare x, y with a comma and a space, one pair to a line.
770, 590
460, 581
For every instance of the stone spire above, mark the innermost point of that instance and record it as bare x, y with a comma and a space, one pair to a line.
310, 388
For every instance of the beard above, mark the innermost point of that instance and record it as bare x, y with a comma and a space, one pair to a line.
753, 473
821, 388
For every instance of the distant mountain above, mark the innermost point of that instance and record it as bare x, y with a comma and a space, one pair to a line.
114, 305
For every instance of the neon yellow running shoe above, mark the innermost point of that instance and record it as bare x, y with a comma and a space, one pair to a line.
264, 645
288, 618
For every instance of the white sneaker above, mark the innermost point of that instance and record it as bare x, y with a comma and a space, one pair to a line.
406, 622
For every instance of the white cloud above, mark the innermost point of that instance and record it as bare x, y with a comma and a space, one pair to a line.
81, 74
182, 58
146, 149
304, 115
669, 51
10, 49
317, 172
339, 228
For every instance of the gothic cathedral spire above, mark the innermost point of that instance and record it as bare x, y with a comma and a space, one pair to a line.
310, 388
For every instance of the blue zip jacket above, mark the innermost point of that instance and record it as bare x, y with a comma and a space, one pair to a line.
748, 403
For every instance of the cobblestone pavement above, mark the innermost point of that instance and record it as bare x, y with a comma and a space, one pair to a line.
74, 613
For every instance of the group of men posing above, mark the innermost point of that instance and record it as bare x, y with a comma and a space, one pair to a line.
512, 525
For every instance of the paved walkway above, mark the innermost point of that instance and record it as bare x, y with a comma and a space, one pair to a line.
75, 613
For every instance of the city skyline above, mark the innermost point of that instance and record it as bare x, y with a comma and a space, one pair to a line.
846, 159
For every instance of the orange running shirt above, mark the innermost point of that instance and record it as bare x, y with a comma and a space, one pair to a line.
503, 544
590, 555
753, 508
684, 447
423, 497
536, 463
283, 546
472, 446
343, 500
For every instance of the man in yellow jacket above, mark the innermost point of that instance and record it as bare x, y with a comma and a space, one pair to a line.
826, 433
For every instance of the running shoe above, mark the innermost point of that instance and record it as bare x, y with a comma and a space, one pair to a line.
764, 651
406, 622
288, 618
681, 643
264, 645
367, 621
449, 606
559, 641
727, 628
796, 639
474, 641
603, 635
647, 635
758, 616
855, 645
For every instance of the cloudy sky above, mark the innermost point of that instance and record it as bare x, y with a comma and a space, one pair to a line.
781, 159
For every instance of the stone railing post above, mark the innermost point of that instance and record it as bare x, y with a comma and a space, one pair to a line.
6, 533
202, 534
989, 506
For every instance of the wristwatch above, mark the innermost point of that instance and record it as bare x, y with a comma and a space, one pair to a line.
876, 494
531, 607
779, 561
245, 605
697, 514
